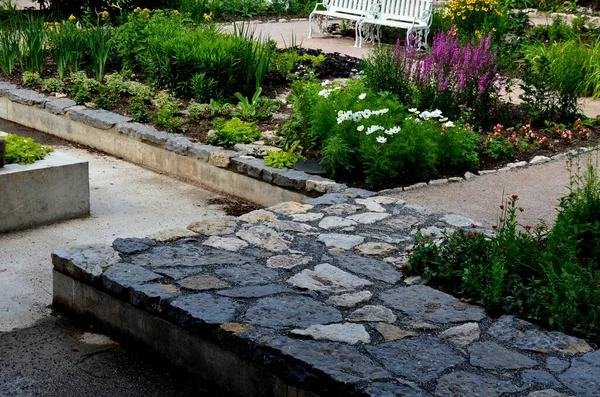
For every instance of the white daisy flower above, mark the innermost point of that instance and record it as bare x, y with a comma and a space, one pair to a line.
360, 128
362, 96
381, 139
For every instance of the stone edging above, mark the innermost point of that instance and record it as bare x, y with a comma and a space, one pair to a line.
313, 295
508, 167
173, 154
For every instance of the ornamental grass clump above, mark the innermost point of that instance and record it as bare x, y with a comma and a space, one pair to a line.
461, 80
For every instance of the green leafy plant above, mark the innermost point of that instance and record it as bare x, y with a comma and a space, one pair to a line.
10, 46
20, 150
53, 85
197, 111
283, 158
80, 94
68, 44
138, 110
99, 47
549, 276
246, 110
33, 57
31, 79
167, 108
231, 132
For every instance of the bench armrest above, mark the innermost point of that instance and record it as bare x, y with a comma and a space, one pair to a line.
426, 14
324, 5
373, 9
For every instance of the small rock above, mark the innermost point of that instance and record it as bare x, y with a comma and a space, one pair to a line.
171, 235
462, 335
486, 172
327, 199
290, 226
443, 181
415, 186
290, 208
458, 220
288, 261
328, 279
315, 216
258, 216
469, 175
415, 280
372, 313
392, 333
236, 328
518, 164
226, 243
264, 237
349, 300
335, 222
343, 241
490, 355
371, 205
214, 226
539, 160
368, 218
342, 209
219, 159
321, 186
347, 333
376, 249
202, 283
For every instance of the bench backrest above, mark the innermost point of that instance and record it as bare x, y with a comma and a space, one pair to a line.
348, 6
404, 9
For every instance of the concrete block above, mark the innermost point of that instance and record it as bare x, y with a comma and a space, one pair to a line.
50, 190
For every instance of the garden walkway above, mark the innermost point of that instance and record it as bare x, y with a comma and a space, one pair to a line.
50, 356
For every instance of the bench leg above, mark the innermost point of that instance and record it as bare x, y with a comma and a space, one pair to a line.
310, 26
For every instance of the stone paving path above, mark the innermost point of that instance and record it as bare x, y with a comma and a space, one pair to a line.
319, 285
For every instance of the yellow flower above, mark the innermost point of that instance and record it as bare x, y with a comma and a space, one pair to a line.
117, 6
72, 17
137, 9
464, 17
104, 14
499, 13
484, 9
208, 17
175, 12
146, 10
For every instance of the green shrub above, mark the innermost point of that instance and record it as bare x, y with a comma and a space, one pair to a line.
234, 131
283, 158
167, 108
383, 72
20, 150
548, 276
554, 81
80, 94
138, 110
192, 60
31, 79
53, 85
68, 44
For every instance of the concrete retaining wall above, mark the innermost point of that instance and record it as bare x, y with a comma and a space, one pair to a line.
50, 190
133, 148
177, 345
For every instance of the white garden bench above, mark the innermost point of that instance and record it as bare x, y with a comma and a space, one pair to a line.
353, 10
412, 15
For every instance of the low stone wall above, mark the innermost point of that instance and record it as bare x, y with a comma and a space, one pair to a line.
310, 298
54, 189
225, 171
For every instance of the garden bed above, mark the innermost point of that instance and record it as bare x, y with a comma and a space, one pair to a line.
47, 191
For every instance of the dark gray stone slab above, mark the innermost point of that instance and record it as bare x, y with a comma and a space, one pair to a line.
556, 364
462, 383
204, 308
60, 105
6, 87
490, 355
417, 359
340, 362
178, 144
537, 377
327, 199
178, 273
133, 245
248, 275
134, 129
372, 268
256, 168
202, 283
583, 377
122, 276
187, 255
526, 336
395, 390
27, 97
152, 135
310, 166
255, 291
153, 297
85, 263
293, 179
431, 305
97, 118
353, 192
203, 151
291, 311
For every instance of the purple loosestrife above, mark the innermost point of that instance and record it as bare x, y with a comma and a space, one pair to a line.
452, 74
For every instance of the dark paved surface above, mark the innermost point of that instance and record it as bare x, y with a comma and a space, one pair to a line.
51, 359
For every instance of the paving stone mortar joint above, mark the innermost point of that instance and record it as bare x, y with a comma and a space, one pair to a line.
321, 314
